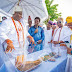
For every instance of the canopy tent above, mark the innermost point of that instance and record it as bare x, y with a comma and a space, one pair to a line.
5, 13
34, 8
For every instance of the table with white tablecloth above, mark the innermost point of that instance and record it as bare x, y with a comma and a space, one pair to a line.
46, 66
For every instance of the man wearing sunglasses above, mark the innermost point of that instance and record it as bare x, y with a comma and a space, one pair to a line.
58, 37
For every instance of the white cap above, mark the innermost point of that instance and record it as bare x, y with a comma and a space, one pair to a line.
17, 8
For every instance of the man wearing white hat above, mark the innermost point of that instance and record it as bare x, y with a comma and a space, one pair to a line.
14, 34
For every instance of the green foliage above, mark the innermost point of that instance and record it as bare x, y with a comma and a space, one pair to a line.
52, 10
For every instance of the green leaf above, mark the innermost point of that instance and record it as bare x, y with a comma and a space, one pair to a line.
52, 10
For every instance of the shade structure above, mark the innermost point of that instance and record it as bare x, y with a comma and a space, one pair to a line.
33, 8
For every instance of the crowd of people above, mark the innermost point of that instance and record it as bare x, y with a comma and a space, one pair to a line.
56, 38
21, 38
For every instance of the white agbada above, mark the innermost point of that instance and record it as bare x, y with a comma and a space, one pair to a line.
59, 36
8, 31
67, 36
48, 37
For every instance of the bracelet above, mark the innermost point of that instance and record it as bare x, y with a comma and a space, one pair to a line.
71, 52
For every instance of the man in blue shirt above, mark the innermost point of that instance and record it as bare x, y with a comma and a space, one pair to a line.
38, 34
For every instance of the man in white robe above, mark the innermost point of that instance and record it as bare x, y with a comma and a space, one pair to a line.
48, 37
68, 37
58, 38
14, 34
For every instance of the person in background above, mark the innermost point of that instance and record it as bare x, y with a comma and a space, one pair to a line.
68, 38
38, 34
4, 18
48, 36
54, 26
28, 27
29, 23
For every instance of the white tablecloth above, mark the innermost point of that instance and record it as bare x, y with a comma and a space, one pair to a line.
44, 67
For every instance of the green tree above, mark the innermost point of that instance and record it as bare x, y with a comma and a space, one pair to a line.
52, 10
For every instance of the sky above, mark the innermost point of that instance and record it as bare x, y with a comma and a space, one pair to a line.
64, 7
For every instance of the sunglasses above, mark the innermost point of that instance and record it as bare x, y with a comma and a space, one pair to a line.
59, 22
54, 24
